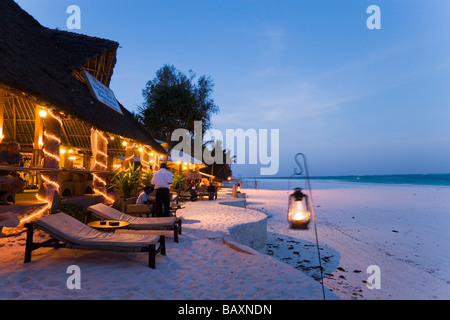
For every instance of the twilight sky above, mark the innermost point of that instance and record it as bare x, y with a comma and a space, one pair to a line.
353, 100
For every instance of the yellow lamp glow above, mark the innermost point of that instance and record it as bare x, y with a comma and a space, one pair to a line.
42, 113
298, 210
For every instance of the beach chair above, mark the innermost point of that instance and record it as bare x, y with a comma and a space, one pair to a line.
103, 211
8, 220
68, 232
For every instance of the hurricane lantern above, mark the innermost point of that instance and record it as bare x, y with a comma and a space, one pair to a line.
299, 214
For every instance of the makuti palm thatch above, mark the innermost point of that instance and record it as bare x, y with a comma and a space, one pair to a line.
43, 66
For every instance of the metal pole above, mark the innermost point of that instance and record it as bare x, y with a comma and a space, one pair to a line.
313, 214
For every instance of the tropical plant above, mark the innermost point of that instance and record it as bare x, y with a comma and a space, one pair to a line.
147, 180
179, 180
126, 182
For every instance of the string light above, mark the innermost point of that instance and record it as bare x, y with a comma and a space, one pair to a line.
43, 113
55, 117
99, 179
36, 214
102, 153
51, 155
103, 165
100, 164
103, 194
49, 181
52, 137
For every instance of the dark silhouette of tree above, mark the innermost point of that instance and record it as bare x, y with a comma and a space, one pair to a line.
173, 100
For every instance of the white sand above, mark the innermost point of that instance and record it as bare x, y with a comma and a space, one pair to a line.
355, 230
200, 266
402, 229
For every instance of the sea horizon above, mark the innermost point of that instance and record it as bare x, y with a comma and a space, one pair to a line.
278, 183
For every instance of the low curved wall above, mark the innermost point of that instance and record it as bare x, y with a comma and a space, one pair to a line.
251, 234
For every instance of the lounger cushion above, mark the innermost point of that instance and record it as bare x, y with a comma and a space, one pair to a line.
105, 212
69, 229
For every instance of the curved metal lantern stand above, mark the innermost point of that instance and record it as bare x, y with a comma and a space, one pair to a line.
301, 208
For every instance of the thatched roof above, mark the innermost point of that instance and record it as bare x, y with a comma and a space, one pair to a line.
43, 65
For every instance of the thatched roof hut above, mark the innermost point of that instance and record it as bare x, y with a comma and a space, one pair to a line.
40, 66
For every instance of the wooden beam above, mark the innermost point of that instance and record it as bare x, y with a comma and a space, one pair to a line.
2, 108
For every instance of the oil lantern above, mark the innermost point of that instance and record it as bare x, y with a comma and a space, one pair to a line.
299, 214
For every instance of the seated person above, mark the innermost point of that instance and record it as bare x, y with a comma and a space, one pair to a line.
144, 195
193, 192
212, 191
10, 185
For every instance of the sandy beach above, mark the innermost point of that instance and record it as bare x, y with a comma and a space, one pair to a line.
401, 229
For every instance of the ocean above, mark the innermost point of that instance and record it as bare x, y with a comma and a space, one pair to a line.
325, 182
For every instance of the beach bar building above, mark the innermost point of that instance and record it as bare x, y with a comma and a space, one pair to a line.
55, 101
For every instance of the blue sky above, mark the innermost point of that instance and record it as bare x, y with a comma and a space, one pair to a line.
353, 100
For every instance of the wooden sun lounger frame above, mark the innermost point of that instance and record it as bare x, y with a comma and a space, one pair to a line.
176, 226
57, 242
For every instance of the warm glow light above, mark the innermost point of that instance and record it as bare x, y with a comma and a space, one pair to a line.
96, 177
62, 151
51, 155
102, 136
72, 158
55, 117
51, 137
100, 164
39, 212
42, 113
40, 143
47, 180
102, 153
103, 194
124, 143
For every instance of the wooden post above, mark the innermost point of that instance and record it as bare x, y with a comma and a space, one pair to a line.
145, 160
99, 146
38, 137
2, 108
51, 140
129, 157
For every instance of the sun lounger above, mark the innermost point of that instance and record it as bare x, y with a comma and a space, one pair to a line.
103, 211
68, 232
9, 220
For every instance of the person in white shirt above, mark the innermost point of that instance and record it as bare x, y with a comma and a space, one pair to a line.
162, 180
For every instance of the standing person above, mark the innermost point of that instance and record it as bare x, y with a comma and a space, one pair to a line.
162, 180
10, 185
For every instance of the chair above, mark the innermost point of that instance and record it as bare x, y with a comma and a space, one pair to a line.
103, 211
9, 220
68, 232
